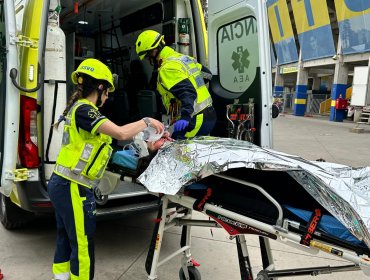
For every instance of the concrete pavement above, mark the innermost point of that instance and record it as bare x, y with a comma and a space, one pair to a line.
317, 137
121, 245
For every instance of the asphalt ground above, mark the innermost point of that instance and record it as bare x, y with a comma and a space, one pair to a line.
316, 137
122, 244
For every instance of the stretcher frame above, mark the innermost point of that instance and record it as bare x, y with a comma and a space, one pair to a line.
182, 216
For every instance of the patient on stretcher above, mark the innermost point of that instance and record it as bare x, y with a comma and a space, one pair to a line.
132, 156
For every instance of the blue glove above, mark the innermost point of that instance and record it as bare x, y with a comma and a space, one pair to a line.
180, 125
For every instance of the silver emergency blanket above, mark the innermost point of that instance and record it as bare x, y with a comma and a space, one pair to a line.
342, 190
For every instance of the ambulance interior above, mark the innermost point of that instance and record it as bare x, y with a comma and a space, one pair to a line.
107, 30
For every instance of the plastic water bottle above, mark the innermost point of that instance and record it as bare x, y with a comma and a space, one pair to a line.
150, 134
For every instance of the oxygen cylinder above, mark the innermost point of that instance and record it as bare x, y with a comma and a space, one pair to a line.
55, 96
184, 37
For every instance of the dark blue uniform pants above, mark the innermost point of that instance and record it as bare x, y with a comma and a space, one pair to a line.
76, 222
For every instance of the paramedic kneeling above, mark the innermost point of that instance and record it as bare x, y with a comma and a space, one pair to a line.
181, 83
80, 164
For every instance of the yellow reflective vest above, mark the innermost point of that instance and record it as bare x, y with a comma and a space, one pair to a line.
175, 68
84, 155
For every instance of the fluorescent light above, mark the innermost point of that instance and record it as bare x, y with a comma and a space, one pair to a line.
83, 22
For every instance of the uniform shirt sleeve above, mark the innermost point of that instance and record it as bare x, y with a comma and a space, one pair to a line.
88, 118
206, 73
186, 93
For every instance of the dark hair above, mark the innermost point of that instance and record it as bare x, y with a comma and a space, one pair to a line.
85, 87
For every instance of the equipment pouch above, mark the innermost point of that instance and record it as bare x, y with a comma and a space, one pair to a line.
98, 161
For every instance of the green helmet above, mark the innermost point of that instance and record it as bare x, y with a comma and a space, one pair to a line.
147, 40
96, 69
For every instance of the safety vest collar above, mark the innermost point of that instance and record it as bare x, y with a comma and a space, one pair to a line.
85, 101
166, 52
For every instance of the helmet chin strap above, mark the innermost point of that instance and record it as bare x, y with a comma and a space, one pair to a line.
100, 90
99, 102
153, 60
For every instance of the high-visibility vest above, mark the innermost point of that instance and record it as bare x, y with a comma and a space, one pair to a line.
84, 156
175, 68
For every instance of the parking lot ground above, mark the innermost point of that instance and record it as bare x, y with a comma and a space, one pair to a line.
316, 137
122, 244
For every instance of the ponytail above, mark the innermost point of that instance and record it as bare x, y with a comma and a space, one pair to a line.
72, 100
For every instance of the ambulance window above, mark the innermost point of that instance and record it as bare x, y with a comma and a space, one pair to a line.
238, 57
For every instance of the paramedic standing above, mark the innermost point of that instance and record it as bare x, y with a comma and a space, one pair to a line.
80, 164
181, 83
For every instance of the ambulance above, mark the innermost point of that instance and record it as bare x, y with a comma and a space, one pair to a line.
42, 42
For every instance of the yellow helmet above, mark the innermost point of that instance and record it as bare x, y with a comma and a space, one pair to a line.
96, 69
147, 40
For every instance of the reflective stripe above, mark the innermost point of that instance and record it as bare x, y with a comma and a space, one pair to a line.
79, 167
61, 270
82, 180
192, 71
199, 81
186, 61
207, 76
65, 140
85, 155
198, 124
87, 151
198, 107
82, 241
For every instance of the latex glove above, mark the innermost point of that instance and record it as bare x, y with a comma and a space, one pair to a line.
180, 125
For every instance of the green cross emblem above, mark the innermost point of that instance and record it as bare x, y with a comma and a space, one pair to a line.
240, 58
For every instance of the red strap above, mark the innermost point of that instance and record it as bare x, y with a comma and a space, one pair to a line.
311, 228
199, 204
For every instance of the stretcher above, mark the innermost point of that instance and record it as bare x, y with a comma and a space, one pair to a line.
267, 195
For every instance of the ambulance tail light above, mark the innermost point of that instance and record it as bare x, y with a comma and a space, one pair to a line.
27, 143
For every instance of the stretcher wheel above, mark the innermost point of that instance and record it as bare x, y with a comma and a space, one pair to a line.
99, 198
194, 273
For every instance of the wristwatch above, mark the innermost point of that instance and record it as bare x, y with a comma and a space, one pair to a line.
147, 122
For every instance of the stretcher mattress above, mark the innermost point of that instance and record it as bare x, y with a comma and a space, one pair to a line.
328, 224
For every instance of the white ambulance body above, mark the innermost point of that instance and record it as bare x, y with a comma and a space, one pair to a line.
41, 46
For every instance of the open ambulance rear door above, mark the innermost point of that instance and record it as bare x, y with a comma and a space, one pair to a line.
9, 96
20, 109
239, 58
